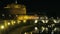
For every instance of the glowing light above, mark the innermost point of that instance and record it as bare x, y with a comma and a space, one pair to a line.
13, 22
46, 29
2, 27
25, 17
36, 21
43, 21
55, 29
18, 21
41, 17
36, 28
24, 21
46, 21
52, 32
8, 23
25, 33
58, 29
56, 21
31, 32
16, 1
43, 28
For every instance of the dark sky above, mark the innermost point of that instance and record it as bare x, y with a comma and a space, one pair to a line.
36, 6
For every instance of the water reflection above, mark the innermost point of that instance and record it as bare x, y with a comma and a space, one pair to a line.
31, 26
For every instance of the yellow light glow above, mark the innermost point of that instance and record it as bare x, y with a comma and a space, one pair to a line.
20, 18
36, 28
25, 17
18, 21
8, 23
36, 21
24, 21
2, 27
16, 6
13, 22
25, 33
31, 32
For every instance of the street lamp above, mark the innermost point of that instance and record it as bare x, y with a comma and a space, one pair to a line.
2, 27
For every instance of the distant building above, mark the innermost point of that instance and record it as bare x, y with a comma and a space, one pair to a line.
16, 8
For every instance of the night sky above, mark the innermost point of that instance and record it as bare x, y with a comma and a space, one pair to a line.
36, 7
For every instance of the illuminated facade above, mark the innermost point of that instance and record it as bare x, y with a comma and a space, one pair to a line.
19, 11
16, 8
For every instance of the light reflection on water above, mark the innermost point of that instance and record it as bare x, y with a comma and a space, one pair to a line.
46, 30
40, 29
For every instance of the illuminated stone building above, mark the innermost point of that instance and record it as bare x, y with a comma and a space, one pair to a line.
16, 8
20, 13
